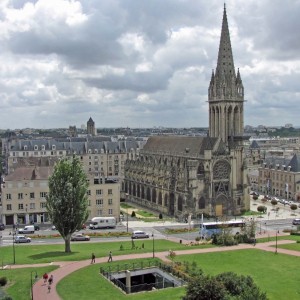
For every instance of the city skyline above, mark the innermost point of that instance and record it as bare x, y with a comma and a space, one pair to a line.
143, 63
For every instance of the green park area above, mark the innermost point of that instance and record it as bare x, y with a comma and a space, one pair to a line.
275, 274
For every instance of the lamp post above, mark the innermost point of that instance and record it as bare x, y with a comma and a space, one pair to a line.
153, 244
127, 212
31, 283
13, 236
276, 243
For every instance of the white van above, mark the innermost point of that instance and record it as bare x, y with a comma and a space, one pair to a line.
26, 229
103, 222
139, 235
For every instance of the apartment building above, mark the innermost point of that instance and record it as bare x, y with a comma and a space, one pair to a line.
25, 190
280, 176
99, 155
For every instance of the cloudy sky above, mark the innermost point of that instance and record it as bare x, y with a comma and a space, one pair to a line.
143, 63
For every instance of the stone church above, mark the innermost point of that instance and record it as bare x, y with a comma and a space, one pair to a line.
179, 175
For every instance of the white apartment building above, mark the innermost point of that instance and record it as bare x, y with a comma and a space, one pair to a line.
24, 196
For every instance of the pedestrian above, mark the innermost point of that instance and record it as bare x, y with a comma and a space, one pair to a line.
109, 256
45, 277
50, 280
93, 258
49, 288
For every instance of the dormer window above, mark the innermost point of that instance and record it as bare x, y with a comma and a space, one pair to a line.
53, 147
43, 147
35, 147
25, 147
89, 151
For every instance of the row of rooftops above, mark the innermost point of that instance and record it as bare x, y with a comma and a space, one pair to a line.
77, 145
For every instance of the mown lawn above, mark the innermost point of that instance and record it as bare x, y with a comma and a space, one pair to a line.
295, 247
276, 274
19, 280
87, 283
33, 254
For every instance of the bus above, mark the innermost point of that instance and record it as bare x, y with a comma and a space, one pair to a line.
207, 229
103, 222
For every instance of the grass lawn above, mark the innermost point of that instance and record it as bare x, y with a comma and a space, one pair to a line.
87, 283
276, 274
33, 254
295, 247
19, 281
273, 238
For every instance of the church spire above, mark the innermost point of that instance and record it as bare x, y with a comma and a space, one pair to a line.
226, 93
225, 65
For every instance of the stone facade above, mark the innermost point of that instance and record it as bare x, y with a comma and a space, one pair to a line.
179, 175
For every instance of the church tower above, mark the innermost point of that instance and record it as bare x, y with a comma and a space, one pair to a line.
226, 94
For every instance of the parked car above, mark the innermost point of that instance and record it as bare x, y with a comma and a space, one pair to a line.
80, 237
26, 229
53, 227
296, 222
2, 226
22, 239
139, 234
252, 193
36, 227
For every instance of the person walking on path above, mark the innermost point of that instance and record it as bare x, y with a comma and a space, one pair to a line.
50, 280
45, 277
49, 288
93, 258
109, 256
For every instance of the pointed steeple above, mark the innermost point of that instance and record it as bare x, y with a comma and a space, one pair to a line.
225, 92
225, 65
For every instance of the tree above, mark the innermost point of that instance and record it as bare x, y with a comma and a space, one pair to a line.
274, 202
67, 198
262, 209
293, 207
204, 287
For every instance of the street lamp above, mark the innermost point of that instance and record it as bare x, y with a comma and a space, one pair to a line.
153, 244
276, 243
127, 212
31, 283
13, 236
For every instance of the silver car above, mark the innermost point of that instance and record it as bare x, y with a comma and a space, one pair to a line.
22, 239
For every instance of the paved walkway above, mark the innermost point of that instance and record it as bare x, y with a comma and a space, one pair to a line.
40, 289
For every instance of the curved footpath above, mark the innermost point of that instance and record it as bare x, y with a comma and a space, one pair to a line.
40, 289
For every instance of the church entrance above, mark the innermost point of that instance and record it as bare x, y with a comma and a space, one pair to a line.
219, 210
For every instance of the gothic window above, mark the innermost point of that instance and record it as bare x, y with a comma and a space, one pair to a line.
179, 203
200, 171
154, 196
134, 190
160, 198
201, 203
166, 200
148, 194
138, 191
143, 192
221, 170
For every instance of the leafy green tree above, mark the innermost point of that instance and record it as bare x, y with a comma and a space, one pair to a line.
242, 287
67, 198
204, 287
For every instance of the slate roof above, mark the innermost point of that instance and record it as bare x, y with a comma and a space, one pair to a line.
293, 162
254, 145
30, 173
180, 144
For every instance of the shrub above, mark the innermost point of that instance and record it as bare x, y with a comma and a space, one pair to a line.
133, 214
293, 206
262, 208
160, 216
3, 281
254, 197
274, 202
